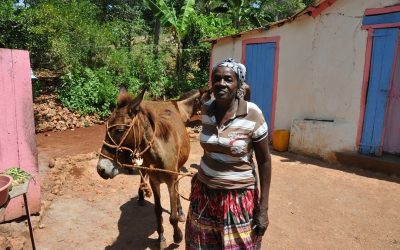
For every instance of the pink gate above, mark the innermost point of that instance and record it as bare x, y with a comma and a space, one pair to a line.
17, 130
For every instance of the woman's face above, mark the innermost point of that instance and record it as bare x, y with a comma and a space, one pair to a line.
224, 83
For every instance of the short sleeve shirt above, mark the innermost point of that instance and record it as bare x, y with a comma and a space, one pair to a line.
227, 162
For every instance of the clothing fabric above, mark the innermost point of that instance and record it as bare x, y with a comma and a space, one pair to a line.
227, 162
238, 68
221, 219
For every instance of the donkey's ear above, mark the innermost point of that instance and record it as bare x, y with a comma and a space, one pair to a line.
134, 105
122, 89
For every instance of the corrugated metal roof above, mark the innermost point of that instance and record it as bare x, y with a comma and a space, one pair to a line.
307, 10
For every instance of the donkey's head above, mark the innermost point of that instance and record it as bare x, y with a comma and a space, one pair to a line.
119, 142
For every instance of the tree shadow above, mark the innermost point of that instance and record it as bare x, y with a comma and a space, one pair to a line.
135, 225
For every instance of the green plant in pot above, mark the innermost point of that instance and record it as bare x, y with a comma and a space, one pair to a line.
19, 176
11, 177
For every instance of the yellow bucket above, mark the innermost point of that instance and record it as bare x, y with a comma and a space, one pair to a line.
280, 140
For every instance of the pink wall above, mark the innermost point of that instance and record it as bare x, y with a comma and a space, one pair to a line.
17, 133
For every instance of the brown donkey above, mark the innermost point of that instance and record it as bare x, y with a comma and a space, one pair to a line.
153, 135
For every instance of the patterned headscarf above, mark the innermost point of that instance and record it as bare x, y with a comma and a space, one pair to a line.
239, 69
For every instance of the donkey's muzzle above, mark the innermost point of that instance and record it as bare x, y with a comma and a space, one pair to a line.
106, 168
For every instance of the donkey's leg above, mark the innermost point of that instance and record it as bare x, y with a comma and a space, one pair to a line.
181, 214
173, 219
144, 189
155, 186
141, 193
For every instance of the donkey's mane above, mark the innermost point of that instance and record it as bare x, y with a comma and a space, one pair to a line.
124, 99
159, 116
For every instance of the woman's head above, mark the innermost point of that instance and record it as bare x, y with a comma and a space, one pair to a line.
227, 79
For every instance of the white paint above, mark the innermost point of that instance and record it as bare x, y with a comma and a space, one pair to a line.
320, 74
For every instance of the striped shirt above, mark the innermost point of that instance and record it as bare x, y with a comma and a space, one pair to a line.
227, 162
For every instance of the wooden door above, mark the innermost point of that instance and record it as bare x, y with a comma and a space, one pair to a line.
391, 142
383, 50
260, 63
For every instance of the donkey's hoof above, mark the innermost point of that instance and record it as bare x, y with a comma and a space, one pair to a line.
178, 237
182, 217
163, 244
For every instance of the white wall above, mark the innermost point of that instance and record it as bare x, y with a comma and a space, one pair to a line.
321, 63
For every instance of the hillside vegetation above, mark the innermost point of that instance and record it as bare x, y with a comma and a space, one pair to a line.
85, 49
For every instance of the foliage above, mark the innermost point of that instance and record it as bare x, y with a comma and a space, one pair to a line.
98, 45
179, 25
95, 90
88, 91
13, 29
197, 56
247, 14
169, 17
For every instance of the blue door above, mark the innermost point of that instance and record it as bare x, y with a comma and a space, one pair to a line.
383, 51
260, 64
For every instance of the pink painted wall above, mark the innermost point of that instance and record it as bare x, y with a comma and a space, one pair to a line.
17, 133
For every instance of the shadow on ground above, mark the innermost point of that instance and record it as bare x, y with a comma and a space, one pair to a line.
291, 157
135, 225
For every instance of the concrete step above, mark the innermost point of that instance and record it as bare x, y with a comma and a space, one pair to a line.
387, 164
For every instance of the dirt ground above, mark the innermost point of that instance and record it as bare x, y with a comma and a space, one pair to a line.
313, 204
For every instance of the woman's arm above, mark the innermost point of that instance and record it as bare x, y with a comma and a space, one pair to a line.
263, 158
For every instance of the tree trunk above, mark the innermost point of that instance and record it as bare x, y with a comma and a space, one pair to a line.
179, 66
157, 31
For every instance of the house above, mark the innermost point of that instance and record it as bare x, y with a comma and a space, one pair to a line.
330, 74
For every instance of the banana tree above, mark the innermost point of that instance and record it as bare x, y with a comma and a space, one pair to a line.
179, 24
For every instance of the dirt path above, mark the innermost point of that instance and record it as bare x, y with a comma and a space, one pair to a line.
313, 205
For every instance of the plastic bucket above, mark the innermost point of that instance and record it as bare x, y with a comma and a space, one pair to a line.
5, 185
280, 140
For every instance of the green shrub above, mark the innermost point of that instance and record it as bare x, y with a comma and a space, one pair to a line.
88, 91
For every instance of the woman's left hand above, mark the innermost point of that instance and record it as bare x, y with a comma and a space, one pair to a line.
261, 221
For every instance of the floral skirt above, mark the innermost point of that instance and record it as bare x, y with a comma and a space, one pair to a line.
221, 219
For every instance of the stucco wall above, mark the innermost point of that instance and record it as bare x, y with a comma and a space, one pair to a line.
320, 74
17, 134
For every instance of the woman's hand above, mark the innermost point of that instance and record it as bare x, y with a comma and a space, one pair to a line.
261, 221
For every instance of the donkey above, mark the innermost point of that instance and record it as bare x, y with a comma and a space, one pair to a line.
153, 135
188, 106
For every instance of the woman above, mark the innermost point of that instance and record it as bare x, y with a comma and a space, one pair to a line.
225, 211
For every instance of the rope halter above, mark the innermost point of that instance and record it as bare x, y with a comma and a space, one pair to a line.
135, 153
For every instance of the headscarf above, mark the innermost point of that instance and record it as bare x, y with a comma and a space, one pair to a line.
239, 69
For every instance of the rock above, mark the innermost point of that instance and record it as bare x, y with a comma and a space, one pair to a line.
52, 116
52, 163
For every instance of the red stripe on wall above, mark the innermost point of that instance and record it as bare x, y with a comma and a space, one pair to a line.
367, 65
